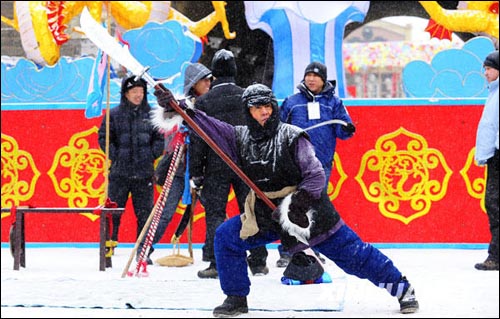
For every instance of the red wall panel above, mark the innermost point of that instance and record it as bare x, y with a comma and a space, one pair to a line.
454, 215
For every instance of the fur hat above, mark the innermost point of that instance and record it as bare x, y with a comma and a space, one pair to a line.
223, 64
317, 68
131, 82
303, 267
492, 60
257, 94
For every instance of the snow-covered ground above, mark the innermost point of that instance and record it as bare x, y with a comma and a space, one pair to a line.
65, 282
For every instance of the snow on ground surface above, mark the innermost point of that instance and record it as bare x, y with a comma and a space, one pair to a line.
64, 281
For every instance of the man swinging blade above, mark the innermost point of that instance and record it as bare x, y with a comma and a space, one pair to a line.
321, 224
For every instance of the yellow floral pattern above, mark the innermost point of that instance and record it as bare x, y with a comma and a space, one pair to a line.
77, 171
475, 186
19, 174
402, 170
334, 190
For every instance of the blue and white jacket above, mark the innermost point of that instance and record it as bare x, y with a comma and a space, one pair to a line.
324, 138
487, 130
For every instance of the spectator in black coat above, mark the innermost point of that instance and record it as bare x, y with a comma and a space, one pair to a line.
134, 145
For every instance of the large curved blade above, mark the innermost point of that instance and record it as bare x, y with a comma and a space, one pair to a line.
96, 33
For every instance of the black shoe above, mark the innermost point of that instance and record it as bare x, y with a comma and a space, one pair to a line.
232, 306
259, 270
283, 261
210, 272
408, 302
488, 264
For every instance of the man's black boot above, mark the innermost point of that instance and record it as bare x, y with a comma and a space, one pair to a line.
210, 272
232, 306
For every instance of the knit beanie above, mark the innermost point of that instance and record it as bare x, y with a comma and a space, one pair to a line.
317, 68
131, 82
492, 60
223, 64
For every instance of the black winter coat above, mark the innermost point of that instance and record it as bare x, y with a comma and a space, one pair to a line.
223, 102
134, 144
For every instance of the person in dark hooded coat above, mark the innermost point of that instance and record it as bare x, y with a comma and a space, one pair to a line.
134, 145
280, 160
197, 79
208, 170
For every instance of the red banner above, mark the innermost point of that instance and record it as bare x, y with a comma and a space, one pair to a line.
407, 176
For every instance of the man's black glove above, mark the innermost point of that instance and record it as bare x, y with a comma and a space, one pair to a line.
301, 203
164, 96
196, 183
349, 128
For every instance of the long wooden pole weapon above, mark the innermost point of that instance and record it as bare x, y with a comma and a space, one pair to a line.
102, 39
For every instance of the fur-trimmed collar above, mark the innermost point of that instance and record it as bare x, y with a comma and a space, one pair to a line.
167, 121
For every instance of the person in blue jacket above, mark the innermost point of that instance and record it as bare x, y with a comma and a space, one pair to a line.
487, 154
314, 108
280, 160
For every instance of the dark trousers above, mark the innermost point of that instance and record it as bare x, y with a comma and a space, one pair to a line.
171, 203
142, 193
345, 248
491, 203
214, 198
